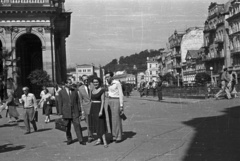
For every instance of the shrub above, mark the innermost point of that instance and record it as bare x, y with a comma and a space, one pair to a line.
202, 78
39, 77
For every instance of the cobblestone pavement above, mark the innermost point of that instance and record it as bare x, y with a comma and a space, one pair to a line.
170, 130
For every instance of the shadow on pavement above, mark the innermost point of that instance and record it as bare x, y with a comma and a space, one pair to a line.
216, 138
9, 147
128, 134
8, 125
42, 130
163, 101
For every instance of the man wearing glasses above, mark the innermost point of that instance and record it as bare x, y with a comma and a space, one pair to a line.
30, 105
85, 102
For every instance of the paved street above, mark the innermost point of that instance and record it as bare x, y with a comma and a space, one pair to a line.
171, 130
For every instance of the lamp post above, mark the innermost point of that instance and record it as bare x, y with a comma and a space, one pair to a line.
135, 69
211, 69
178, 79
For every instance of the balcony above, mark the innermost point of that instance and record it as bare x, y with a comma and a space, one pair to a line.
24, 1
27, 3
235, 50
178, 65
218, 41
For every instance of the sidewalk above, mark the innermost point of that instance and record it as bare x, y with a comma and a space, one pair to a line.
166, 99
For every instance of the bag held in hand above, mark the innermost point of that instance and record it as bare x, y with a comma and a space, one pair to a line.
61, 124
123, 116
35, 116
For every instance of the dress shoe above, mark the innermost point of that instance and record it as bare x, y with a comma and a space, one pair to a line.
90, 140
69, 142
82, 143
26, 133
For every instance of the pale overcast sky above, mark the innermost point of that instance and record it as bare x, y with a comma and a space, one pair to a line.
102, 30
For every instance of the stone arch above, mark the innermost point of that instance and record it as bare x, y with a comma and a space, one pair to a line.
39, 35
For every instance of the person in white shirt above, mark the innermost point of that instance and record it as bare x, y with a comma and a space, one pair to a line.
30, 105
57, 89
115, 106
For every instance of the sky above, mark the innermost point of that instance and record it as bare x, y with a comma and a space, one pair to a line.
102, 30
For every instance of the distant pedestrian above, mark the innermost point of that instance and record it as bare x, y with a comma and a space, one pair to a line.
47, 104
29, 105
57, 89
42, 93
2, 90
234, 82
11, 108
159, 90
225, 84
115, 106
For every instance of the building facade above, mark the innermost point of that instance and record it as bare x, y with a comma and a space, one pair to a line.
35, 32
214, 40
86, 69
234, 34
152, 69
189, 68
175, 46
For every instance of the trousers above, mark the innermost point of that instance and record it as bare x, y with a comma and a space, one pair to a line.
28, 118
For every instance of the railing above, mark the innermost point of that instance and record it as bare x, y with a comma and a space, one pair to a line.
24, 1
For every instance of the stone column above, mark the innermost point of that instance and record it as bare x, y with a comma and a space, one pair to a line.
48, 62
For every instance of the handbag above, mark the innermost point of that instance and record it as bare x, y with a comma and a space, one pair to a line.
35, 116
123, 116
61, 124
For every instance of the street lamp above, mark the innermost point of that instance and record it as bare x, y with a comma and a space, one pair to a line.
178, 79
136, 74
211, 69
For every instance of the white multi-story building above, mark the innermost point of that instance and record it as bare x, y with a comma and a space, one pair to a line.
152, 69
85, 69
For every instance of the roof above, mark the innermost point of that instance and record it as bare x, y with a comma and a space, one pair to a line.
192, 53
85, 65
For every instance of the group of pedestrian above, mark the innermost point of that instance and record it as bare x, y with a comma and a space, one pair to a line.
154, 87
88, 102
74, 102
228, 82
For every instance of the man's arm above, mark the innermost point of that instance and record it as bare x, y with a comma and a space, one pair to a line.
80, 100
119, 86
60, 102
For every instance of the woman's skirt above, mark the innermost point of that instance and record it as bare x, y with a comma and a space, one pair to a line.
12, 111
97, 124
47, 109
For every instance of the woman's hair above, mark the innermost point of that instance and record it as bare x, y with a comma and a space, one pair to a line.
98, 79
46, 90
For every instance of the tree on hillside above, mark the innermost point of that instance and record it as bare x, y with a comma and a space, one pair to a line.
127, 63
202, 78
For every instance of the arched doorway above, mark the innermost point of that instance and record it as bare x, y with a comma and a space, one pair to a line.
29, 50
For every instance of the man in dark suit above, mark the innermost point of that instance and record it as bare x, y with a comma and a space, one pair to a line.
85, 101
70, 110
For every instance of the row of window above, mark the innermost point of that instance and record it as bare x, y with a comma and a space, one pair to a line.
234, 10
84, 70
152, 66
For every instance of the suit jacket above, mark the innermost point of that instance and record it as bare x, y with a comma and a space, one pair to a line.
69, 105
85, 99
